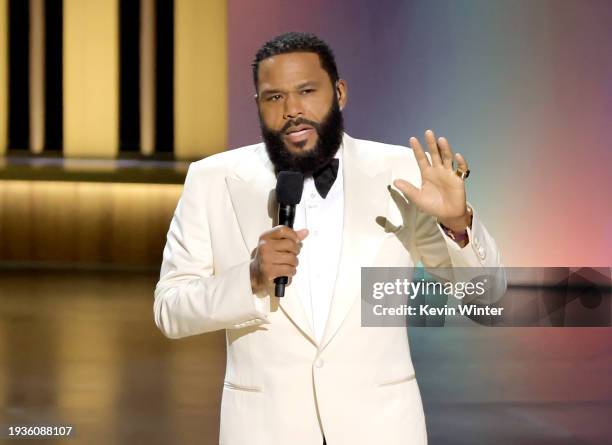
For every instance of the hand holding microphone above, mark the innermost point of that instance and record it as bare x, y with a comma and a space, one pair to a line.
276, 256
277, 250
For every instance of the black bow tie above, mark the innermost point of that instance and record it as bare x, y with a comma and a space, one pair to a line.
324, 178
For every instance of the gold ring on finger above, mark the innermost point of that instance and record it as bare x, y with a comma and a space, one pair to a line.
463, 174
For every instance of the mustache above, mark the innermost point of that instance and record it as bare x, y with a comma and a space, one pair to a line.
300, 121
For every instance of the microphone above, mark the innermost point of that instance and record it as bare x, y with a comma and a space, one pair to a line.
289, 187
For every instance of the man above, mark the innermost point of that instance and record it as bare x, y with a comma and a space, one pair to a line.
301, 369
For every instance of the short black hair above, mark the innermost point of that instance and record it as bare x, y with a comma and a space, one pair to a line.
293, 42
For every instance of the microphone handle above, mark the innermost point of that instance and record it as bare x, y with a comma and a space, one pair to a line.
286, 216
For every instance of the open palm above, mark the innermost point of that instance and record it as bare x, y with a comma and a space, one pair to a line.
442, 192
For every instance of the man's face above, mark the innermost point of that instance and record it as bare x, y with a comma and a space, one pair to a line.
299, 110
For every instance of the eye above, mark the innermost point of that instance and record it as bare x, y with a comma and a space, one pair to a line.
274, 98
307, 91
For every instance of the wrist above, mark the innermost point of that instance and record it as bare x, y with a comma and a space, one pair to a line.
255, 281
459, 224
456, 228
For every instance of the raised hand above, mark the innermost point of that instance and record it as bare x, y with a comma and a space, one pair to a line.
442, 192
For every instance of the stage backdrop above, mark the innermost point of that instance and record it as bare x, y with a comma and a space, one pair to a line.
522, 88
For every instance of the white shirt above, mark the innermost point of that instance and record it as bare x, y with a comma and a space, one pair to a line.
318, 260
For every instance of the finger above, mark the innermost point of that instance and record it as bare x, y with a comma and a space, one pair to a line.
275, 271
409, 191
419, 154
288, 259
286, 271
282, 271
303, 233
283, 232
286, 245
269, 248
446, 153
461, 162
432, 147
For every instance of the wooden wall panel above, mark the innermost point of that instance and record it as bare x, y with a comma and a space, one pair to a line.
91, 78
3, 75
200, 81
15, 220
37, 75
82, 223
147, 76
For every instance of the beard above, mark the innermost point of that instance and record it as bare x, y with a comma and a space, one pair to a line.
329, 137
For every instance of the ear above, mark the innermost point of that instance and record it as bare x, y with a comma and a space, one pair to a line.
341, 92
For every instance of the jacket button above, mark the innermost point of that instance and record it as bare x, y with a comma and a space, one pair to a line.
318, 363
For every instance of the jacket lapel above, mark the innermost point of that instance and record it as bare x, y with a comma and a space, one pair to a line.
365, 197
252, 192
251, 189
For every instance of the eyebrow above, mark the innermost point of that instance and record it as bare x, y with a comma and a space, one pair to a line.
311, 83
268, 92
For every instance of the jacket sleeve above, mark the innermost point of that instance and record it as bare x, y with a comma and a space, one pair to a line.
190, 298
479, 258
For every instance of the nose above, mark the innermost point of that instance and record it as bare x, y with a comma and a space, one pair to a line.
293, 107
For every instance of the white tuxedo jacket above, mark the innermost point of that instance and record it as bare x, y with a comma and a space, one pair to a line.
358, 385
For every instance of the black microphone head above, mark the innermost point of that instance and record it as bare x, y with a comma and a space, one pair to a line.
289, 187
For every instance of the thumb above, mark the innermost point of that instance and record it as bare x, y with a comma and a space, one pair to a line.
302, 233
409, 190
